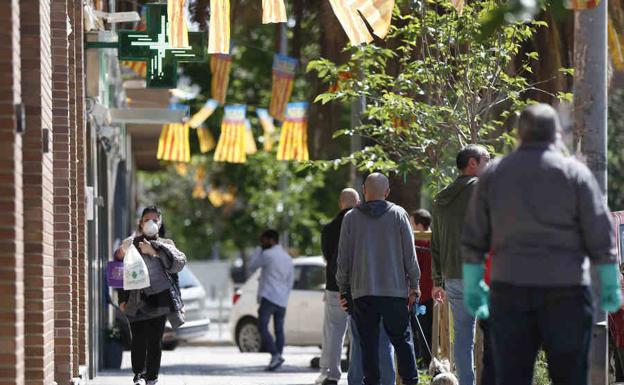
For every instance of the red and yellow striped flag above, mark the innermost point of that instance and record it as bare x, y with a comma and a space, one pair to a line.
176, 24
199, 191
220, 66
352, 13
204, 113
266, 121
232, 146
283, 78
615, 46
580, 5
293, 143
219, 29
378, 14
206, 140
273, 11
250, 141
174, 144
351, 22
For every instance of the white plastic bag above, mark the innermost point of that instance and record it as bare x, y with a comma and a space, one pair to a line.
136, 275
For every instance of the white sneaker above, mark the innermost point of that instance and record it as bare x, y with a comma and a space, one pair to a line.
276, 362
322, 377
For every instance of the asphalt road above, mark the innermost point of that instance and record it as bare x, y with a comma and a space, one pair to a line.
222, 365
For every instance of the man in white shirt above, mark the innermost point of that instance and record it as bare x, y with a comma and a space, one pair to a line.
276, 281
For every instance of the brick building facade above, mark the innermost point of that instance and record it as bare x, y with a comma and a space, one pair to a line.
44, 333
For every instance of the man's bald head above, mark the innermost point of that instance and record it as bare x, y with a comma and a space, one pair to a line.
349, 198
376, 187
538, 123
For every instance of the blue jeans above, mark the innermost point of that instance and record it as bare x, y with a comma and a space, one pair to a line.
386, 357
464, 328
526, 318
392, 312
266, 310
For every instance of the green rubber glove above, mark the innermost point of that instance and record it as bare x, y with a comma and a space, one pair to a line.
476, 292
610, 289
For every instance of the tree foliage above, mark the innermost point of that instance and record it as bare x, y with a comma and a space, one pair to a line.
615, 156
432, 87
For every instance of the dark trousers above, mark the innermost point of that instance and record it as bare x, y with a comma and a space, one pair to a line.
266, 310
488, 375
146, 346
426, 322
392, 312
559, 320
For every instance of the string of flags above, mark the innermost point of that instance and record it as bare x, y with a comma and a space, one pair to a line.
232, 145
293, 143
284, 68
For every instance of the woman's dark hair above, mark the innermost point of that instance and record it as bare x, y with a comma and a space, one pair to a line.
151, 210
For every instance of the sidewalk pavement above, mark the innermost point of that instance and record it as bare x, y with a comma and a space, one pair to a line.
222, 365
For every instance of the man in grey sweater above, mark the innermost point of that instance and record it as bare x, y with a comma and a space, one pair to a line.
544, 217
377, 267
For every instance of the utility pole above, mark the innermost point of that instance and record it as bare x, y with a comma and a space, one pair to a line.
590, 129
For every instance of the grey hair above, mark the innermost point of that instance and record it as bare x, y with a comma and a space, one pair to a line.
538, 123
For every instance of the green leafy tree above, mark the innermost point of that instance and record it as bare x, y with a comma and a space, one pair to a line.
432, 87
615, 156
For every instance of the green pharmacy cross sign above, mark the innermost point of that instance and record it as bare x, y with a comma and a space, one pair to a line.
152, 46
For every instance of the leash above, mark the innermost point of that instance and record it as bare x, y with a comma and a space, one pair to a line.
422, 333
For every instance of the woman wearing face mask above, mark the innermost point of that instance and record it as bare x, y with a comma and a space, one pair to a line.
148, 309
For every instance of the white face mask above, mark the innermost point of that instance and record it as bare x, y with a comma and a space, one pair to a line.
150, 228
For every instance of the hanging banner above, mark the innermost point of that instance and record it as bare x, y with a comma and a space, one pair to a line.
293, 143
173, 144
580, 5
181, 169
218, 197
206, 140
266, 121
250, 141
351, 22
153, 47
615, 46
232, 144
458, 5
199, 192
219, 29
352, 13
284, 68
273, 11
178, 31
220, 66
204, 113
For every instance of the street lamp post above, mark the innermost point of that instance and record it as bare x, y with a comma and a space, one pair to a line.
590, 127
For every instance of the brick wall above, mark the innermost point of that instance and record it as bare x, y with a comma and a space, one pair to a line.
73, 129
63, 245
81, 182
11, 222
38, 192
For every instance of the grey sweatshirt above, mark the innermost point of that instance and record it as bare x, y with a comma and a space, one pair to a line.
542, 215
376, 253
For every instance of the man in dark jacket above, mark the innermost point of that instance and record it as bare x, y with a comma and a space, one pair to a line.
377, 267
335, 319
544, 217
449, 209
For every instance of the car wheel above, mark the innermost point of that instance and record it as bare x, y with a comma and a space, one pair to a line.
248, 336
170, 345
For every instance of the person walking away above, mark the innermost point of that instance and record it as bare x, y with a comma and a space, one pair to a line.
377, 267
544, 217
148, 309
449, 210
422, 223
335, 320
276, 282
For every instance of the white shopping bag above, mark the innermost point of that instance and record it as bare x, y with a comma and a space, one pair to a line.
136, 275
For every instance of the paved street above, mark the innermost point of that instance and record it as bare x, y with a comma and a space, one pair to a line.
222, 365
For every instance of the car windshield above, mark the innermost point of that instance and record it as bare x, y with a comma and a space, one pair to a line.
187, 279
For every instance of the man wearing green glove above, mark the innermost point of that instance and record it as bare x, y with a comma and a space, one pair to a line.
544, 218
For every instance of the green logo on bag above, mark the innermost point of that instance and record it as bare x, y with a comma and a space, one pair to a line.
134, 274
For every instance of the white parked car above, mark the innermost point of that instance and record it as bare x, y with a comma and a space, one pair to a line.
304, 315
